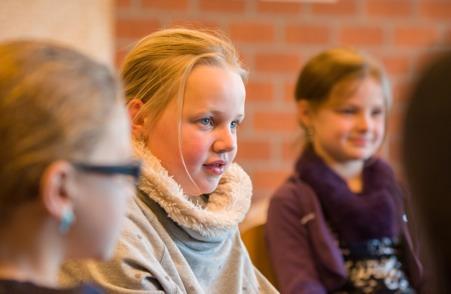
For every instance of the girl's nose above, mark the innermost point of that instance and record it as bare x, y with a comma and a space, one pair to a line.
225, 141
364, 122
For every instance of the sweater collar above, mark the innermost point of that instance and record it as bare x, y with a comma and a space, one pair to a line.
370, 214
311, 168
225, 207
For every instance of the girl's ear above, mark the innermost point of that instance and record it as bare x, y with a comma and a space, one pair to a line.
55, 189
304, 113
134, 106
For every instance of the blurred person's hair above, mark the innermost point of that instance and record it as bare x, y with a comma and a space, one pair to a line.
54, 105
427, 161
329, 69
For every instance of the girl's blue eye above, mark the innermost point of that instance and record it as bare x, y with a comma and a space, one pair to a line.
234, 124
206, 121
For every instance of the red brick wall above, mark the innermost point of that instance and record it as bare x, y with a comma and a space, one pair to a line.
275, 39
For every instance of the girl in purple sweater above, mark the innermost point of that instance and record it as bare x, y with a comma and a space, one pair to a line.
338, 225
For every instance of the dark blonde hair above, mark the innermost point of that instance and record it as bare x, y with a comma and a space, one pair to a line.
157, 68
54, 104
326, 70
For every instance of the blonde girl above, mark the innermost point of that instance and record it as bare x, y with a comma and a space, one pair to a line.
338, 223
65, 169
186, 98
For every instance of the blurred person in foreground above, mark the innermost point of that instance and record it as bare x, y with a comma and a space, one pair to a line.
427, 158
64, 166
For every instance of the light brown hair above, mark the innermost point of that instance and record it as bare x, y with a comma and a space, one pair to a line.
327, 70
54, 105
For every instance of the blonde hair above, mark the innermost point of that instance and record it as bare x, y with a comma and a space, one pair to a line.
326, 70
55, 104
157, 68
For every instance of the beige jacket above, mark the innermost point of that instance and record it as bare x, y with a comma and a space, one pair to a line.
171, 245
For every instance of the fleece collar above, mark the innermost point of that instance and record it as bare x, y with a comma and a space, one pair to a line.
226, 206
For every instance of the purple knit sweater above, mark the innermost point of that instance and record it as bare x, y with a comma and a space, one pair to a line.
370, 214
304, 252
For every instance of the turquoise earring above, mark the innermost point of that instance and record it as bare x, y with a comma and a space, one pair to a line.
66, 221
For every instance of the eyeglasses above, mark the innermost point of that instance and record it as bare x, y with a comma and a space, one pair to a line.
132, 169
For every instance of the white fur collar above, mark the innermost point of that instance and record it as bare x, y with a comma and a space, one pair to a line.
226, 207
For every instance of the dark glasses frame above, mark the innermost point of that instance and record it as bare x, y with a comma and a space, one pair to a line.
132, 169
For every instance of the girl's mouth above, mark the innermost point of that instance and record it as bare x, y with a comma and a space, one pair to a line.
361, 142
215, 168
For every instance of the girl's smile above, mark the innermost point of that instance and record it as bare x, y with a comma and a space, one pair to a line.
349, 126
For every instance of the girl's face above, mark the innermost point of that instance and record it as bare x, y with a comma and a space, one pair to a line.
350, 124
100, 200
213, 107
